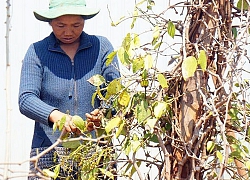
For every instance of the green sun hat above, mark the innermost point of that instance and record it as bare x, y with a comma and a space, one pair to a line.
59, 8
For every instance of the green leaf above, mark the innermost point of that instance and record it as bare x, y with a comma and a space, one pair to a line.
242, 4
124, 98
71, 144
133, 170
114, 87
162, 80
54, 127
113, 123
96, 80
236, 154
110, 57
210, 146
151, 137
202, 60
62, 122
234, 31
157, 45
79, 123
171, 29
219, 155
189, 66
160, 109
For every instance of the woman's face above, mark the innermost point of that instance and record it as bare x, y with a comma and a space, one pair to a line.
68, 28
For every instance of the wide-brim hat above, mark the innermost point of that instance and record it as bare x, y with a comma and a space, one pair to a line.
59, 8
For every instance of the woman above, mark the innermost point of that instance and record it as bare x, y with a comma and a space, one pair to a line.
55, 71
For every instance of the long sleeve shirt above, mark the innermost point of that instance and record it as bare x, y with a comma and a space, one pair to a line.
50, 80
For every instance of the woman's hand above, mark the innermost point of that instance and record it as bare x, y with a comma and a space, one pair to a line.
93, 119
68, 125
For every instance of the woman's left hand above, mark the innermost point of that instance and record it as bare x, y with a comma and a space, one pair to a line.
93, 119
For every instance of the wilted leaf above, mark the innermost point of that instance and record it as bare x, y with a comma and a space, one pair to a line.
56, 171
142, 111
136, 41
113, 123
127, 42
96, 80
135, 145
114, 87
93, 99
171, 29
248, 165
120, 129
138, 64
135, 14
189, 66
219, 155
49, 173
150, 124
210, 146
159, 109
162, 80
110, 57
156, 35
127, 148
124, 98
107, 173
148, 61
202, 60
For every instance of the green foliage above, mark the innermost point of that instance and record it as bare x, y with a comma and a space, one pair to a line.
243, 4
144, 108
171, 29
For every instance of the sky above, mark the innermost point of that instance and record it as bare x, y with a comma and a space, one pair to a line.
25, 29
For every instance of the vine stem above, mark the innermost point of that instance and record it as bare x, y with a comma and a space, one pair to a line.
8, 97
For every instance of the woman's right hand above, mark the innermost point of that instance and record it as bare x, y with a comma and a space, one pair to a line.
68, 125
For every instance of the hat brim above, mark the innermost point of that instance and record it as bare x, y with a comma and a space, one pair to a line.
48, 15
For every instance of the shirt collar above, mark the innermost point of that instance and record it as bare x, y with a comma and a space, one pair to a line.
53, 42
